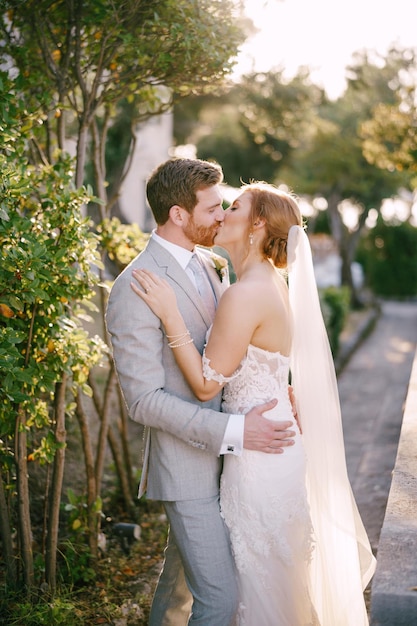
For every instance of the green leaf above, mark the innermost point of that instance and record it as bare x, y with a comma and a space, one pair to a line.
4, 215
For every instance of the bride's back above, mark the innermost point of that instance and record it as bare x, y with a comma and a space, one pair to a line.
271, 304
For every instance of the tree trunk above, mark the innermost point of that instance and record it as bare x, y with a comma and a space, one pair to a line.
121, 470
99, 164
56, 487
104, 426
335, 218
346, 245
123, 467
81, 154
346, 277
91, 479
24, 520
124, 437
6, 539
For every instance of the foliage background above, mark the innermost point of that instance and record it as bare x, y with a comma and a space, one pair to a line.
88, 72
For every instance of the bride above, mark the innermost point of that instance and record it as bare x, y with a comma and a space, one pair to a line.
301, 551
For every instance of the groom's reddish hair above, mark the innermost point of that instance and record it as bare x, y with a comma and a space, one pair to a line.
177, 181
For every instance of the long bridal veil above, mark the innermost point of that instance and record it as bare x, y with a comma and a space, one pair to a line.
342, 563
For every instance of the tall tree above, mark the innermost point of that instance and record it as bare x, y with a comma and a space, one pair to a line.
253, 128
390, 135
332, 163
80, 64
90, 56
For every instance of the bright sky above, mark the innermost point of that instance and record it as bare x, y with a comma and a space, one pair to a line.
323, 34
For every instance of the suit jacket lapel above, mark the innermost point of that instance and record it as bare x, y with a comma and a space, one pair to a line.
173, 269
219, 286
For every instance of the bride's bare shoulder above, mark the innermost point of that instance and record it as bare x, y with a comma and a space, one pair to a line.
245, 292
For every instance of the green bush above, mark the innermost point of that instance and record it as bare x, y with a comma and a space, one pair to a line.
335, 304
388, 255
48, 257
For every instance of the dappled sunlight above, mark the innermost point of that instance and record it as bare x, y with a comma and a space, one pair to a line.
398, 350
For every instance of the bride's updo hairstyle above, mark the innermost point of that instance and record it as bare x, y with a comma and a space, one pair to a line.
280, 211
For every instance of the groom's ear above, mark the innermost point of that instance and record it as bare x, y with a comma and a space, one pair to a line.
176, 215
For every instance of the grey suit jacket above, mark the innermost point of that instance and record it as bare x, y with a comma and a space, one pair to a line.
183, 436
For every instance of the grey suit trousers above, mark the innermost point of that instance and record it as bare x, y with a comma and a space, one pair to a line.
199, 548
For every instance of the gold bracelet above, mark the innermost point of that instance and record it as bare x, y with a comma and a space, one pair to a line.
180, 335
178, 345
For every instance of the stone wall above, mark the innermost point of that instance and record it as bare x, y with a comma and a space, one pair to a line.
394, 587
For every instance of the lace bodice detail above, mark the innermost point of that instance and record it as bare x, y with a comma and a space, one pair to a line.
261, 375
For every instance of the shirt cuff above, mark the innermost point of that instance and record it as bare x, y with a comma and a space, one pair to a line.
233, 436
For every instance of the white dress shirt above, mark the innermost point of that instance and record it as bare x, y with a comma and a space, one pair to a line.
233, 435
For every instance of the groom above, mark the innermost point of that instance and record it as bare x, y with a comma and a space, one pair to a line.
184, 438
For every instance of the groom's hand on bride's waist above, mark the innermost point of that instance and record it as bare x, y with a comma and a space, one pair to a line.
266, 435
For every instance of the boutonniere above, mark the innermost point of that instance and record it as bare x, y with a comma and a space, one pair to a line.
221, 266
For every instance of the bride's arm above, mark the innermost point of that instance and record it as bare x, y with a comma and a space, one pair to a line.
224, 349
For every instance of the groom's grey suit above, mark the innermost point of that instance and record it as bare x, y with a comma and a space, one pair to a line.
183, 436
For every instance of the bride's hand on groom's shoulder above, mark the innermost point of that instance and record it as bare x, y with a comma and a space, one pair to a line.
155, 291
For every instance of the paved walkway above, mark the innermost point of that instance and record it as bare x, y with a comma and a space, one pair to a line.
373, 388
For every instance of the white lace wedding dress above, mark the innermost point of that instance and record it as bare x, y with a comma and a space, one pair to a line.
264, 503
290, 574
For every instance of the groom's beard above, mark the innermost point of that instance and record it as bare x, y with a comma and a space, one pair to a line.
201, 235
